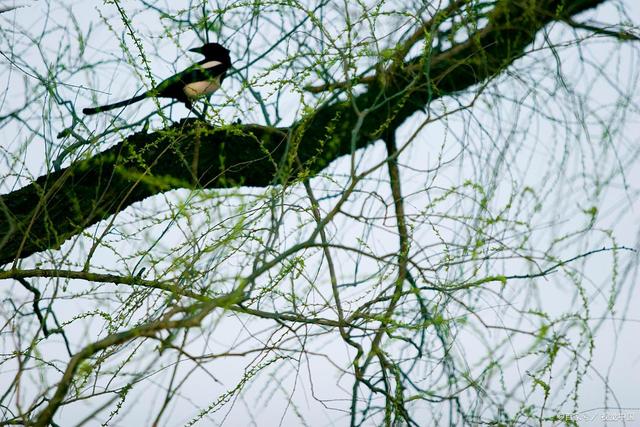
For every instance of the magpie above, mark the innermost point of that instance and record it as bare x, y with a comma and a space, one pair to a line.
200, 79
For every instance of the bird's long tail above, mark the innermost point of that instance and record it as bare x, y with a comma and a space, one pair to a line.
94, 110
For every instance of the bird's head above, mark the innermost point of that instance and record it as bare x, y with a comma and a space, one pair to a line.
214, 51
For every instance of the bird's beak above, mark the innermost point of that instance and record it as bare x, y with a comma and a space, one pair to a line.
196, 50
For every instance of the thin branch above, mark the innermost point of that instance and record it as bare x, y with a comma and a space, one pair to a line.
146, 330
36, 304
608, 30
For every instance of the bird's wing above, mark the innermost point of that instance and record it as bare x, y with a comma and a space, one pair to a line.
173, 86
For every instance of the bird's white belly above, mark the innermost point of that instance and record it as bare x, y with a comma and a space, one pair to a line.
198, 89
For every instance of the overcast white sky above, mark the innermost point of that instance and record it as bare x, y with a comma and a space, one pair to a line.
559, 164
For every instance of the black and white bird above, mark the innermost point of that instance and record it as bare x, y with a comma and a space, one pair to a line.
200, 79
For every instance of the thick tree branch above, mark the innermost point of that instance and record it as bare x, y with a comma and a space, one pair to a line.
194, 155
